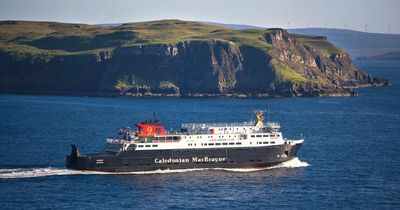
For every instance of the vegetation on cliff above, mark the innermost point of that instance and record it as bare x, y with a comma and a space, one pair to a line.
171, 57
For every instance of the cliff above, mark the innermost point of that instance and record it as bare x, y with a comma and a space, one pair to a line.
172, 58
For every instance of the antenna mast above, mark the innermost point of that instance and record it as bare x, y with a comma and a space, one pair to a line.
155, 117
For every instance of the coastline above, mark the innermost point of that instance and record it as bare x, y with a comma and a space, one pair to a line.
347, 91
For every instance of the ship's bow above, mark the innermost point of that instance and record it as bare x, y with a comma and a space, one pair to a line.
292, 147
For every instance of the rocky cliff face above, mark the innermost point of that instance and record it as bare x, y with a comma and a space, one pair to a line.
289, 66
192, 66
321, 72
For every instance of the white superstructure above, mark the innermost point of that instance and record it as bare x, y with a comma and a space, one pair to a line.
207, 136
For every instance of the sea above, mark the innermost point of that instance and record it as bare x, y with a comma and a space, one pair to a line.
350, 158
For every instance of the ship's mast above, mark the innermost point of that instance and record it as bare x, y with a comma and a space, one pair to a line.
260, 119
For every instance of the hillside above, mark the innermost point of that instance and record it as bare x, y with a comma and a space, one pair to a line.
171, 57
356, 43
391, 56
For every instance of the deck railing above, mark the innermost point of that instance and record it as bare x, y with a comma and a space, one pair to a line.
205, 125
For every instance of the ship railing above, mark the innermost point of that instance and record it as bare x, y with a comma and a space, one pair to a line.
155, 141
174, 133
206, 125
273, 124
117, 141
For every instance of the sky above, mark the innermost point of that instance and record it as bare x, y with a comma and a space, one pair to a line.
380, 16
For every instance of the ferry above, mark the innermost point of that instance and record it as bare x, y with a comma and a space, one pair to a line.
253, 144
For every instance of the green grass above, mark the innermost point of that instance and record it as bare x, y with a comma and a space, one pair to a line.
288, 75
243, 37
170, 31
51, 38
320, 43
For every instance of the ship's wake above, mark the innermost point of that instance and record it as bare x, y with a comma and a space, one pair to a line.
51, 171
294, 163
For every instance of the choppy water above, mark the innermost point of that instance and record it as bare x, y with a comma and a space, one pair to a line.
349, 158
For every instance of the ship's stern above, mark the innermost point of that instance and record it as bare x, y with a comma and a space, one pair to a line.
76, 161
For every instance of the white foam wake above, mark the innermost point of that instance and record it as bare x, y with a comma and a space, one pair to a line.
50, 171
293, 163
37, 172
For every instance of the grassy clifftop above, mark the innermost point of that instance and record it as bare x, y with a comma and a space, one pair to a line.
64, 38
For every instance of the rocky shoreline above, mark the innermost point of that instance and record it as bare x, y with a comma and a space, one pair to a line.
338, 92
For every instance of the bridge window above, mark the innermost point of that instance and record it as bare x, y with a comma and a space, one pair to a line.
252, 136
272, 142
265, 135
211, 144
148, 145
238, 143
265, 142
258, 136
155, 145
217, 143
140, 145
231, 143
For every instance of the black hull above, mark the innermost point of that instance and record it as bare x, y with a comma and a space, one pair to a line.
142, 160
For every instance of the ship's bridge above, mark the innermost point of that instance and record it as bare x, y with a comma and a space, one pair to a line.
272, 127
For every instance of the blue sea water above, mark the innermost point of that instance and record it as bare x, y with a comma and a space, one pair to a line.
351, 145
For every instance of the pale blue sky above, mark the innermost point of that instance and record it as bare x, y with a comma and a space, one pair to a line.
377, 14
